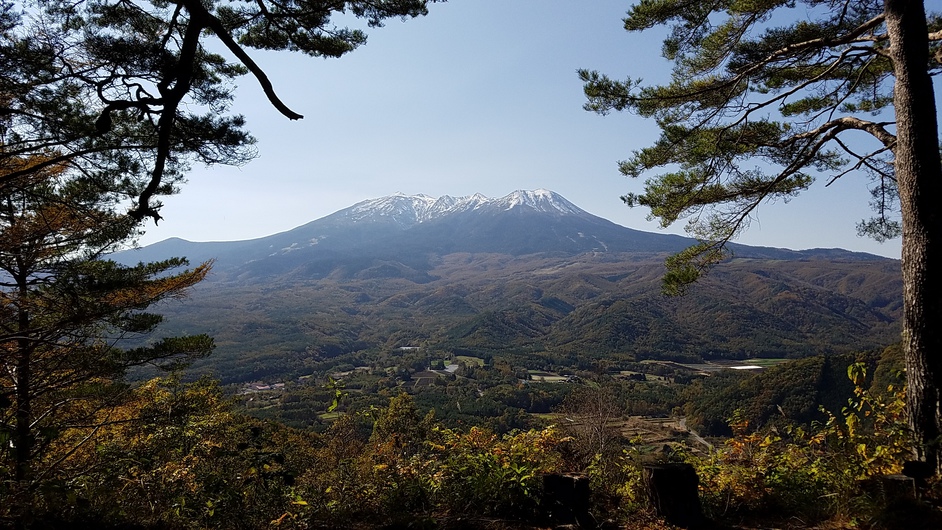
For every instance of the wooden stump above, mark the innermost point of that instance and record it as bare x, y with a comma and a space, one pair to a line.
891, 489
672, 491
565, 500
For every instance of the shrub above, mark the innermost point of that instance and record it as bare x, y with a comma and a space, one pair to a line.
817, 473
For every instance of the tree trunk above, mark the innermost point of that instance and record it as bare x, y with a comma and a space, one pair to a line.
23, 432
919, 178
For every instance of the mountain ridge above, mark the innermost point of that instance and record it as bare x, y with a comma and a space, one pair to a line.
415, 209
385, 228
526, 276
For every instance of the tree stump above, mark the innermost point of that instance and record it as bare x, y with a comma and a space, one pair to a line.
891, 489
565, 500
672, 491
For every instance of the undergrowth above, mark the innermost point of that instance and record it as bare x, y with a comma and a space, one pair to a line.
197, 464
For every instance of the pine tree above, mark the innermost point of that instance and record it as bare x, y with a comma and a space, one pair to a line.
64, 312
134, 83
766, 96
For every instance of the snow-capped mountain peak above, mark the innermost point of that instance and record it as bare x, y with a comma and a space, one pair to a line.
408, 210
541, 200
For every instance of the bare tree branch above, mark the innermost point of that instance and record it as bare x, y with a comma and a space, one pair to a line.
214, 24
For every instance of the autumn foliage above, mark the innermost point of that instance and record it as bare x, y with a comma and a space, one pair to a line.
177, 455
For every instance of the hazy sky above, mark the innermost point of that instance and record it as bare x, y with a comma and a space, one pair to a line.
480, 96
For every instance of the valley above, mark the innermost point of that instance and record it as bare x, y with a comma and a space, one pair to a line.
522, 298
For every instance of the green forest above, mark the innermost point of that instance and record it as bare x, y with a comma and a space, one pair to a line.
544, 414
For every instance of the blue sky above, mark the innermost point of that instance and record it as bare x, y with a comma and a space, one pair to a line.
481, 96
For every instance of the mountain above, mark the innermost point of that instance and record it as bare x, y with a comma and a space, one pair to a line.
405, 234
529, 275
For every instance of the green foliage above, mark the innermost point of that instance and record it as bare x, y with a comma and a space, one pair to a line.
480, 472
131, 89
171, 455
66, 313
778, 308
176, 456
620, 478
790, 393
400, 429
759, 105
103, 106
818, 472
412, 467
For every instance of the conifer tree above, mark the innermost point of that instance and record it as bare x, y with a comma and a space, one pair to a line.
64, 311
135, 83
104, 104
766, 97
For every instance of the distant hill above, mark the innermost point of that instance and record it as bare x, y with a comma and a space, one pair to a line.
529, 274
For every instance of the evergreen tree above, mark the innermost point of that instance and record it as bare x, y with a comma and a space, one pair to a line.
132, 84
104, 104
63, 314
765, 96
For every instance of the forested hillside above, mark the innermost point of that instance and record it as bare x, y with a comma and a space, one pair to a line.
560, 308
